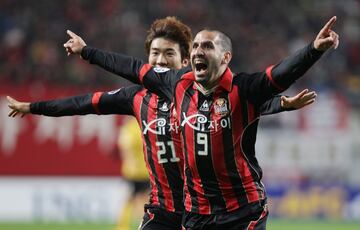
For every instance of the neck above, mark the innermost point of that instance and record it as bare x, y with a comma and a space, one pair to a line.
211, 85
205, 90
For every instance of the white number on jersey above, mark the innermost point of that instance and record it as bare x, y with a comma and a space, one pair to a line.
162, 152
202, 139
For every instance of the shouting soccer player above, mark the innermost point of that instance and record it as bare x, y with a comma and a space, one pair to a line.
168, 46
218, 113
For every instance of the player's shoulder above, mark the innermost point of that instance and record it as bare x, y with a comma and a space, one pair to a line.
243, 76
237, 77
186, 74
165, 74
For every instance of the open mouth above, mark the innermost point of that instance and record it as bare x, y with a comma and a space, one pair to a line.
200, 65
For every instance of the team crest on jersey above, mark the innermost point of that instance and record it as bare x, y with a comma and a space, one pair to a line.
220, 107
161, 69
164, 107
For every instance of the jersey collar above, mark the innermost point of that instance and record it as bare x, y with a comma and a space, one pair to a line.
226, 80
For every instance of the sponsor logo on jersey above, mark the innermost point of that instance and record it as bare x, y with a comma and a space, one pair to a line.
164, 107
200, 122
161, 69
220, 107
205, 106
159, 126
114, 91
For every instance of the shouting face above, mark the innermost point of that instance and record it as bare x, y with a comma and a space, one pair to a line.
208, 58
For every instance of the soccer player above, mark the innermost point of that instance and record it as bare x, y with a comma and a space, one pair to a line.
218, 113
153, 112
167, 44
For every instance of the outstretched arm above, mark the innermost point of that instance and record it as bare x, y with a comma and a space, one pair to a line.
77, 105
115, 102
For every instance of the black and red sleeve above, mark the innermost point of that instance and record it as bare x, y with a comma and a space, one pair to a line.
159, 80
114, 102
76, 105
162, 81
116, 63
293, 67
272, 106
118, 101
260, 87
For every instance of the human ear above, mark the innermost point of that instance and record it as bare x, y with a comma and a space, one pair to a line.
185, 62
227, 57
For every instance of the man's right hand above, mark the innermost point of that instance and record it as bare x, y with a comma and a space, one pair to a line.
75, 44
18, 107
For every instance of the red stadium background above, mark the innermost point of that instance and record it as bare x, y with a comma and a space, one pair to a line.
66, 169
39, 145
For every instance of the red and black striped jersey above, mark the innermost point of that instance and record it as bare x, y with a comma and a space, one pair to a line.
160, 134
222, 172
218, 131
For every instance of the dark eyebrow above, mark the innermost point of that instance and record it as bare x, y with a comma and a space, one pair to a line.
159, 49
208, 43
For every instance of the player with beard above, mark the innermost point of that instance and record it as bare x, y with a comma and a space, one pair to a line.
167, 44
218, 112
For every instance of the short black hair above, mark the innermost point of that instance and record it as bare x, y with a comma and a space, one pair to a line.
225, 41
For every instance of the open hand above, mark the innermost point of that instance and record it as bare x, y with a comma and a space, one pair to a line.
17, 107
302, 99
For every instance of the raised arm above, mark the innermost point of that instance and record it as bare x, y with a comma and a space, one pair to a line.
158, 79
125, 66
290, 69
260, 87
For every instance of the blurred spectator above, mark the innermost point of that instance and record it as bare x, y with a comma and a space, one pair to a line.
133, 170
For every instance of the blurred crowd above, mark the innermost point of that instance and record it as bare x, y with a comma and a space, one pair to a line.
32, 34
